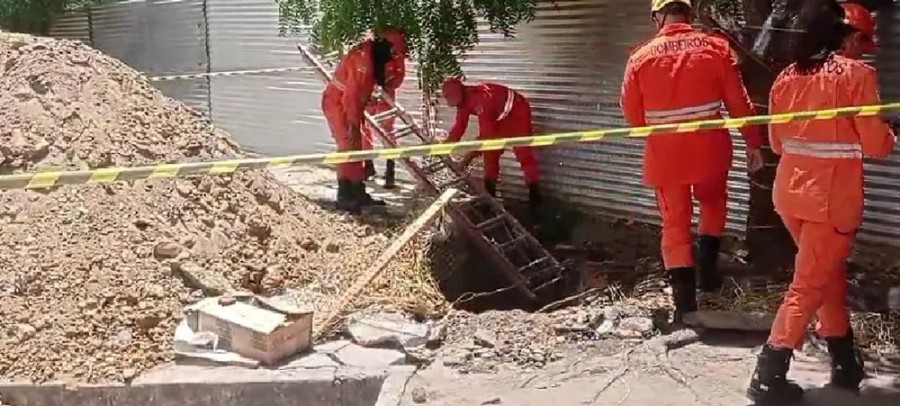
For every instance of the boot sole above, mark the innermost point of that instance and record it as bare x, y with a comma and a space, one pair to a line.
765, 399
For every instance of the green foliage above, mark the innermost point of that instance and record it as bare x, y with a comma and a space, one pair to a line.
439, 32
35, 16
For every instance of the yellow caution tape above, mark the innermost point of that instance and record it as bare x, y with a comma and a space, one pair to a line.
39, 180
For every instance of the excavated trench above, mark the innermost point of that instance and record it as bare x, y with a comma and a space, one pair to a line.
468, 279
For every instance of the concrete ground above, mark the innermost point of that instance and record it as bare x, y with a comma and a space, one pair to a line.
712, 373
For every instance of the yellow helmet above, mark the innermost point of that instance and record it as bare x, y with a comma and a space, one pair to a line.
656, 5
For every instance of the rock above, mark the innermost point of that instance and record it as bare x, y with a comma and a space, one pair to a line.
167, 250
197, 277
436, 334
23, 332
332, 248
496, 400
419, 395
129, 374
309, 245
387, 328
606, 327
357, 356
485, 338
641, 325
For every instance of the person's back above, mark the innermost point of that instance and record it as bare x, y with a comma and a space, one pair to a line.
683, 75
821, 173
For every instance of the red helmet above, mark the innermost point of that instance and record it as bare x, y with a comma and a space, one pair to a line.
861, 20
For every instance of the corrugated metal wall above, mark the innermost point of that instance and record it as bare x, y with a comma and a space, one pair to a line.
269, 114
883, 177
570, 63
158, 38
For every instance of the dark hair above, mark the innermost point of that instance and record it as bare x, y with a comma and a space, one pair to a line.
681, 9
822, 23
382, 52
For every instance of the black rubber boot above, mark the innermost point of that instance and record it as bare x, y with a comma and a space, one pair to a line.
369, 166
347, 198
769, 385
847, 366
708, 263
534, 196
390, 175
491, 186
365, 199
684, 291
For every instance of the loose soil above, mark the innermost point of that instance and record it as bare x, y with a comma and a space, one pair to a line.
91, 287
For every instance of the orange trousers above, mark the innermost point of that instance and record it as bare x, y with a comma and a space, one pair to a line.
527, 161
336, 117
676, 208
819, 286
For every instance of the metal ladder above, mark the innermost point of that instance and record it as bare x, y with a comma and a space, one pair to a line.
518, 255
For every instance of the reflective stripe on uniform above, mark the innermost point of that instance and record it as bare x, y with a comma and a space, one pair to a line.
820, 149
507, 107
683, 114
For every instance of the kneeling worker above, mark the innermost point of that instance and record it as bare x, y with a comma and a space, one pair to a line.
502, 113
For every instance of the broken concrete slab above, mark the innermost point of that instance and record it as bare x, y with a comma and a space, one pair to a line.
358, 356
387, 329
394, 386
195, 385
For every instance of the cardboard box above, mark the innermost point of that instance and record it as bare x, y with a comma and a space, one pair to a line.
252, 327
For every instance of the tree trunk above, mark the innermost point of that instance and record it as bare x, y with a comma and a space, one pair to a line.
769, 244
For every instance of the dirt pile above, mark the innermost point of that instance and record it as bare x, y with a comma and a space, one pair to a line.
92, 281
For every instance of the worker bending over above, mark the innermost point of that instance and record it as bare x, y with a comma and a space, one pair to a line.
345, 99
396, 73
686, 75
502, 113
818, 192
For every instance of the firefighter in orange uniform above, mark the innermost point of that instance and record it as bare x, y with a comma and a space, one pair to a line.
818, 192
685, 75
396, 73
344, 101
502, 112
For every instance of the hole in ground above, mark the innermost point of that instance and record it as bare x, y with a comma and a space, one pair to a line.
467, 278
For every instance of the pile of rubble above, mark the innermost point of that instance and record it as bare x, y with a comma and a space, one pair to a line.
94, 277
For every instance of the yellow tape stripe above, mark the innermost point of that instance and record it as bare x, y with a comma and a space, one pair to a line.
41, 180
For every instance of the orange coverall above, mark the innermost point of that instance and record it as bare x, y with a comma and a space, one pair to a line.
502, 112
686, 75
396, 73
344, 101
818, 188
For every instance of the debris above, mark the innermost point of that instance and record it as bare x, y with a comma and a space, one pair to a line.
251, 328
331, 315
493, 401
485, 338
66, 245
386, 328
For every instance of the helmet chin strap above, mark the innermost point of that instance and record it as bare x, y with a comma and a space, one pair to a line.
659, 23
